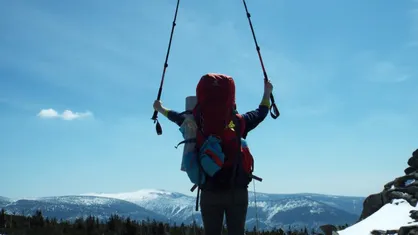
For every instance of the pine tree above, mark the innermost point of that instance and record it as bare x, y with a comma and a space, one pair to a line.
131, 228
2, 218
114, 225
37, 219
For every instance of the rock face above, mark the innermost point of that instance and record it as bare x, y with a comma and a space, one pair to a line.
404, 187
329, 229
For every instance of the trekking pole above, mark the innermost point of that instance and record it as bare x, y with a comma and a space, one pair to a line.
158, 127
274, 111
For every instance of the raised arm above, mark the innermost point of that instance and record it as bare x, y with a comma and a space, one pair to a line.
255, 117
172, 115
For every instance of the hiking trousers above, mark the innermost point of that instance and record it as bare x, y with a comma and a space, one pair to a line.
231, 203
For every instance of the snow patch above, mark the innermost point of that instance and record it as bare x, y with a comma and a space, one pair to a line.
316, 210
164, 202
72, 200
391, 216
408, 182
140, 195
79, 200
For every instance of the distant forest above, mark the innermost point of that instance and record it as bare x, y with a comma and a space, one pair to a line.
37, 224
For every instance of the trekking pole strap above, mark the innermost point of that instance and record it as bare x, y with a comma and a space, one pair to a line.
158, 127
274, 111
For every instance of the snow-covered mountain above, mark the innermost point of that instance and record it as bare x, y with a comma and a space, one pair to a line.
72, 207
349, 204
177, 207
273, 210
297, 211
4, 201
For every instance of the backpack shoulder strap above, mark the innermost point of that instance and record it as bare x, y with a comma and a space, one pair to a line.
238, 131
239, 123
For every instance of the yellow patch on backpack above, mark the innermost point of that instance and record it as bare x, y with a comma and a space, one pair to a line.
231, 125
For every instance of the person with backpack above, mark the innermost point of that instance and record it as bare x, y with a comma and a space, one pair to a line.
225, 187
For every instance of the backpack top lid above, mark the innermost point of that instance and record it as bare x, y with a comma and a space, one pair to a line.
216, 88
215, 102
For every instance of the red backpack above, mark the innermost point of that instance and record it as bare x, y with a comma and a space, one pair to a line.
215, 115
221, 152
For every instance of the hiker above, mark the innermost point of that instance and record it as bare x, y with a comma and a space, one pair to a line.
218, 196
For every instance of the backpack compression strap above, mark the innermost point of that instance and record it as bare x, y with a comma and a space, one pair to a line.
238, 126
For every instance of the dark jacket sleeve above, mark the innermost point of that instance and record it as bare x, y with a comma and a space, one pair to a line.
175, 117
253, 118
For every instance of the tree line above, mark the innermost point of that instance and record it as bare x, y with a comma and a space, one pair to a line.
37, 224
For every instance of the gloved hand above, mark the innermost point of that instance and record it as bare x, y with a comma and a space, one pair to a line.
268, 88
159, 107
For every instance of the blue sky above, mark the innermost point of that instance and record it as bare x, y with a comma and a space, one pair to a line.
344, 75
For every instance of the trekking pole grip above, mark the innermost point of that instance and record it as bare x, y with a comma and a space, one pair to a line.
274, 111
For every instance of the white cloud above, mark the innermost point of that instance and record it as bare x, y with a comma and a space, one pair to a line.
67, 115
48, 113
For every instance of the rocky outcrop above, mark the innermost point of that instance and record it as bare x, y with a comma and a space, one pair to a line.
413, 163
372, 204
404, 187
383, 232
405, 230
329, 229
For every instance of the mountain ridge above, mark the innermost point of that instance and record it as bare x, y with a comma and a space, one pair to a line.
272, 210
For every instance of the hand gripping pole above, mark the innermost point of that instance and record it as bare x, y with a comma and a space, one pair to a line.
274, 111
158, 127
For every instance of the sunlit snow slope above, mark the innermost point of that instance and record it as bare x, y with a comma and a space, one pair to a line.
391, 216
